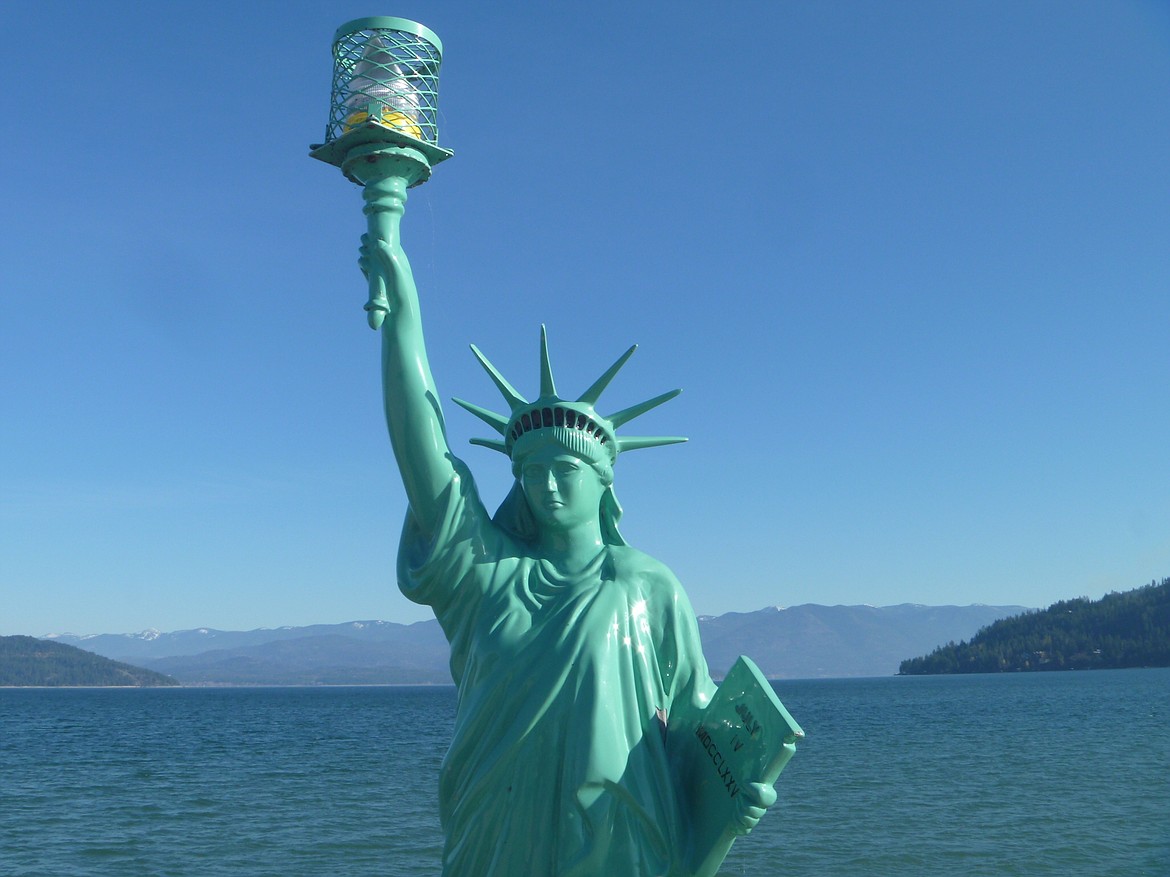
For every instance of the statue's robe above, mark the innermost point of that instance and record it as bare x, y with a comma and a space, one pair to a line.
574, 693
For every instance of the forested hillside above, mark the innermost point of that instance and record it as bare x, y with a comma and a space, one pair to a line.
1130, 629
28, 661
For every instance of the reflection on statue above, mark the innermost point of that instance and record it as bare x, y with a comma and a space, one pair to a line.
577, 658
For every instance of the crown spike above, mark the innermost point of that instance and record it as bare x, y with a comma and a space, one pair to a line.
514, 399
490, 443
627, 414
633, 442
548, 387
590, 396
498, 422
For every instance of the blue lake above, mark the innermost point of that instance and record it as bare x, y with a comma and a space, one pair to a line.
1035, 774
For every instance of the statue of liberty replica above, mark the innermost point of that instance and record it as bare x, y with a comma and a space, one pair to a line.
589, 738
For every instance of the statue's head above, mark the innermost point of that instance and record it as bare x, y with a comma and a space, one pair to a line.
554, 437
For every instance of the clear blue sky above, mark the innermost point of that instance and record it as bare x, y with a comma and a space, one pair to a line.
909, 261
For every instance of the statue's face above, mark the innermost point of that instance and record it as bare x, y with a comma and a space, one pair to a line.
563, 490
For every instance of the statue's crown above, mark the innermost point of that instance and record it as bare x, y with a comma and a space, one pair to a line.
574, 424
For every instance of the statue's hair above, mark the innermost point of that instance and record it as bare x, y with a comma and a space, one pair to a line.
572, 444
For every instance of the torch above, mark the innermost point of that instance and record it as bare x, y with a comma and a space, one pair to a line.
383, 122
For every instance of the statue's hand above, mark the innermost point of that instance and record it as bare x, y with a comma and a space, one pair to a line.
754, 800
388, 274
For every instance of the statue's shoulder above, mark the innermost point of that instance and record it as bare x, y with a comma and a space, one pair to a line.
632, 565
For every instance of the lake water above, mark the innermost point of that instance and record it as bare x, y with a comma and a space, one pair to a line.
1036, 774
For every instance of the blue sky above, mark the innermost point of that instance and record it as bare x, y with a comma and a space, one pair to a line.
908, 261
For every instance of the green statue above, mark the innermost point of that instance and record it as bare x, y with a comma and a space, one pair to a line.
590, 739
581, 680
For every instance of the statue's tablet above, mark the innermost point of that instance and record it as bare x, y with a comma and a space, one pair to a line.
745, 735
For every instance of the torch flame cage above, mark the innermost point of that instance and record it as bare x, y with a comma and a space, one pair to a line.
385, 91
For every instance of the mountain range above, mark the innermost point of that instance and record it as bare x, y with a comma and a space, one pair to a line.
798, 642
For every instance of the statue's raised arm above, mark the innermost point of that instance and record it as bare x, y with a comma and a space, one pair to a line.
413, 414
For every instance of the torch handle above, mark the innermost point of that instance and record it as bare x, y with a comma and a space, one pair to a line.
385, 198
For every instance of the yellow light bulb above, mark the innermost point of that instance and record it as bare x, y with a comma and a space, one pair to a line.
391, 118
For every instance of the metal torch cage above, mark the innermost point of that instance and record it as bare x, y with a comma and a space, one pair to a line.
385, 70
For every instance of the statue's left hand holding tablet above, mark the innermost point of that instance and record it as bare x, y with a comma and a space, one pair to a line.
754, 800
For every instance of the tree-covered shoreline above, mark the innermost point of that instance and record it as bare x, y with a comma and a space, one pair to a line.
28, 662
1127, 629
